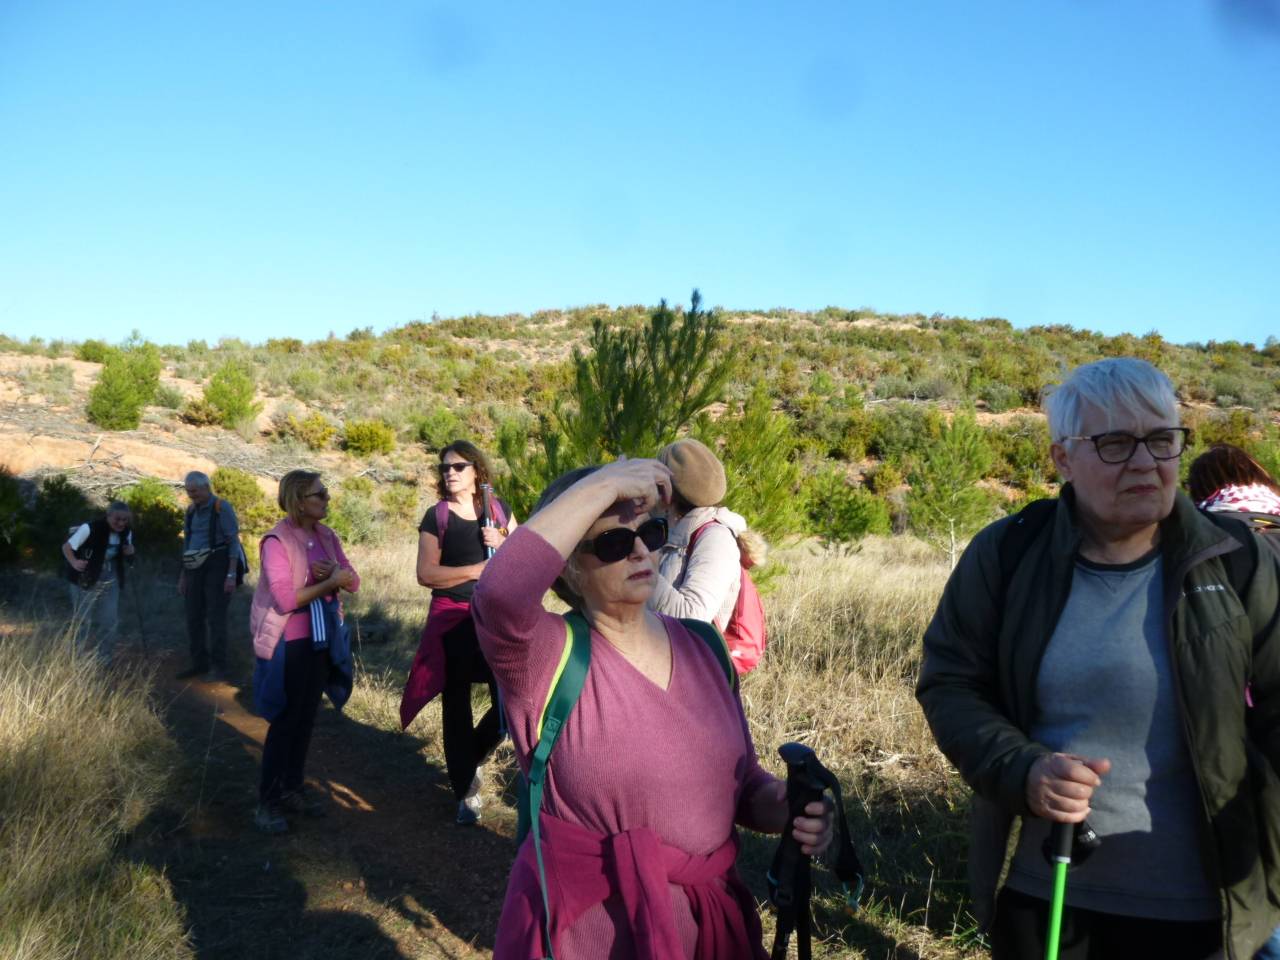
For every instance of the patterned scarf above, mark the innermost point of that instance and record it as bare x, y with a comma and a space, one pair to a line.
1243, 498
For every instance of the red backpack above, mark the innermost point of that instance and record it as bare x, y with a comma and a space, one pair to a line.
745, 633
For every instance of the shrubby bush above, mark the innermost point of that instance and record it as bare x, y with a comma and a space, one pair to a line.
199, 412
93, 351
255, 512
171, 398
315, 430
59, 506
946, 506
157, 517
400, 502
367, 437
437, 428
839, 511
230, 392
126, 384
352, 513
13, 518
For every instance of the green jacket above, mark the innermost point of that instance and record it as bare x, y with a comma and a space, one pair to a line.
978, 680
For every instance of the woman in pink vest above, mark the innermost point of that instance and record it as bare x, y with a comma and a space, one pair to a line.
654, 766
455, 538
296, 602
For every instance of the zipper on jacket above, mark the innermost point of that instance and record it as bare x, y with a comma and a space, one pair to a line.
1184, 568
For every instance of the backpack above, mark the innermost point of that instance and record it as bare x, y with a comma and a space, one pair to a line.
746, 632
566, 686
442, 518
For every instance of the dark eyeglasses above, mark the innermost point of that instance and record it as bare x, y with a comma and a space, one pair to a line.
457, 467
1119, 447
617, 544
321, 493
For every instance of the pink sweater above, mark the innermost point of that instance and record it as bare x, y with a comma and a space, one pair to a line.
678, 762
280, 579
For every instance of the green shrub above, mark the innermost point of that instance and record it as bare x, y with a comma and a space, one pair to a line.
59, 506
93, 351
13, 518
438, 428
315, 430
157, 517
171, 398
352, 514
230, 392
126, 384
1021, 449
199, 412
839, 511
945, 505
307, 384
367, 437
256, 514
400, 502
1000, 397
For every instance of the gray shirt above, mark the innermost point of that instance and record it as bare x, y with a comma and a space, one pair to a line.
1106, 689
230, 526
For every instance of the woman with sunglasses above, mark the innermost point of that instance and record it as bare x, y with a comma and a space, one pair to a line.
454, 541
296, 601
655, 764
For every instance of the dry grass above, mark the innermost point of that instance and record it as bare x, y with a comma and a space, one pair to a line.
83, 760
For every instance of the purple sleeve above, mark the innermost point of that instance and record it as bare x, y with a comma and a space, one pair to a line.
275, 567
521, 641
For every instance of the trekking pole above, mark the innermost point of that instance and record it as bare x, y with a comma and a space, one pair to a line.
1066, 842
486, 516
790, 876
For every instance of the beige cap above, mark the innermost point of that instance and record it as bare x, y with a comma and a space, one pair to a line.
697, 473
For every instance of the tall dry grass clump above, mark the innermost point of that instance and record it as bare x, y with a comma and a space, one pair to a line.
83, 760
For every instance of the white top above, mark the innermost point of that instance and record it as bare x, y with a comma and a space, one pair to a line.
712, 575
77, 539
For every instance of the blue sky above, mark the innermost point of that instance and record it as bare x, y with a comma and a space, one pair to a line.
290, 168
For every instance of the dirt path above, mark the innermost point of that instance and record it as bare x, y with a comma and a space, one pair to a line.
386, 874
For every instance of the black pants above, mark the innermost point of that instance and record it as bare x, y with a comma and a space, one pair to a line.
466, 744
284, 754
1022, 922
206, 603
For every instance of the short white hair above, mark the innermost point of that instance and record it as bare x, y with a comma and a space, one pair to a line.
1117, 386
198, 480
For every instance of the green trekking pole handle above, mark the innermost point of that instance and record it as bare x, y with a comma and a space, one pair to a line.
1061, 839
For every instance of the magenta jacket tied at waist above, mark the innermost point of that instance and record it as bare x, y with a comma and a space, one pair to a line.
585, 868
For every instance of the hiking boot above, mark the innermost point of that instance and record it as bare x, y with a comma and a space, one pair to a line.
214, 675
268, 819
468, 813
190, 672
301, 802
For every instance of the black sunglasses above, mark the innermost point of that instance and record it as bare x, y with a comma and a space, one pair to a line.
322, 493
457, 466
617, 544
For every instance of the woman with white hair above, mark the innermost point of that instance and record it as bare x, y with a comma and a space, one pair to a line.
1101, 656
98, 554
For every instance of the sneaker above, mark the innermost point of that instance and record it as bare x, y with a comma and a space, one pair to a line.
189, 673
268, 819
468, 813
472, 796
302, 803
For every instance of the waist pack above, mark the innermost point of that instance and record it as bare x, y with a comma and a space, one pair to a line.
194, 559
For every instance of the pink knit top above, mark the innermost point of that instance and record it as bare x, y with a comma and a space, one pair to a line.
678, 761
275, 567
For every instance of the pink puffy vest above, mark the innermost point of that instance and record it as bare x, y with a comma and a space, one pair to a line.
266, 621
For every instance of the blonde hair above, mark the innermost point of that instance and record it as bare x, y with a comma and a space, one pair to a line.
293, 489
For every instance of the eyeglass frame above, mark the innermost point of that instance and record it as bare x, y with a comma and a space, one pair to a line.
322, 493
1186, 440
590, 546
453, 466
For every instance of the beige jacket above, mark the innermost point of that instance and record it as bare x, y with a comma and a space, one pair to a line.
712, 577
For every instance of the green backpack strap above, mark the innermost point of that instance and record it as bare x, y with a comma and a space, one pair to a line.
566, 685
713, 638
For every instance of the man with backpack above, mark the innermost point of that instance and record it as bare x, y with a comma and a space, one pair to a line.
212, 566
703, 567
1114, 655
97, 555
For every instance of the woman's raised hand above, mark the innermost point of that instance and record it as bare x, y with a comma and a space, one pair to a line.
647, 483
